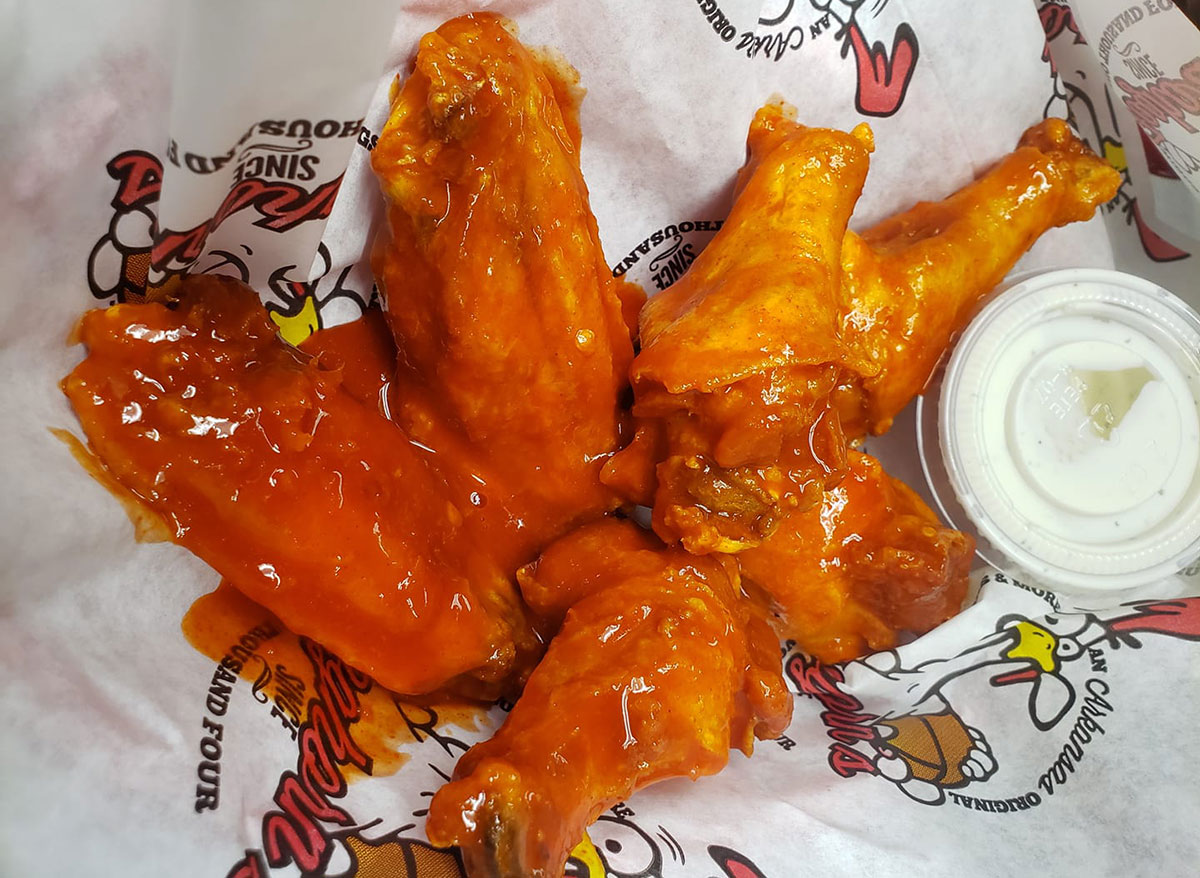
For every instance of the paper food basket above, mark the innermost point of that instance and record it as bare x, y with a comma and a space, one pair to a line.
141, 139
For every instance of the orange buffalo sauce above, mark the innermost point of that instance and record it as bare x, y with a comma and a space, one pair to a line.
364, 354
265, 462
869, 562
498, 517
250, 641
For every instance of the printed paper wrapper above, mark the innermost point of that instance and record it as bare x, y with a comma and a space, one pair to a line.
1032, 734
1150, 55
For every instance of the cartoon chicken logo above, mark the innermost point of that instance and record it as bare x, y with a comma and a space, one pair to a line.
134, 252
883, 75
922, 744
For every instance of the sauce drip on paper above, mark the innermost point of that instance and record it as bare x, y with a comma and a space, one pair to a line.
276, 467
220, 625
148, 526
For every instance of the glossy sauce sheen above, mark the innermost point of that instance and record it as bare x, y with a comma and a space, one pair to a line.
394, 543
511, 329
310, 501
740, 357
914, 280
757, 368
870, 561
381, 494
659, 667
282, 678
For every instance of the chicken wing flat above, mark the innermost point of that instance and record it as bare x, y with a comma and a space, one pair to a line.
869, 562
508, 320
308, 500
659, 668
740, 357
915, 279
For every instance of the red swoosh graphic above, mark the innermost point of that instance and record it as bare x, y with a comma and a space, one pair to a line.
1179, 618
733, 864
1022, 676
883, 80
1157, 248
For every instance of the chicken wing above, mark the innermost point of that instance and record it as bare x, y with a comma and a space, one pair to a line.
308, 500
396, 547
869, 562
904, 289
740, 357
510, 325
872, 561
915, 279
764, 359
659, 668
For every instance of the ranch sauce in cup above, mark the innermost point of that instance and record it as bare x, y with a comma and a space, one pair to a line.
1069, 427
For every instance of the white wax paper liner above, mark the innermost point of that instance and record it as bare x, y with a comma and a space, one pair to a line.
914, 760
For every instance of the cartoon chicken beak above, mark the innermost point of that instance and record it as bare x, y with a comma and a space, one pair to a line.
1051, 696
584, 857
1034, 644
298, 326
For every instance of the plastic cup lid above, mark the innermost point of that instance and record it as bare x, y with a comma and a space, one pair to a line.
1069, 423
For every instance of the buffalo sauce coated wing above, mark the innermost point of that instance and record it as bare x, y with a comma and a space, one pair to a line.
870, 561
868, 340
308, 500
740, 357
914, 280
659, 668
509, 323
764, 358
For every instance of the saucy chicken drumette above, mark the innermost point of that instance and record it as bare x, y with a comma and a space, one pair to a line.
911, 282
850, 575
740, 357
790, 335
872, 561
658, 667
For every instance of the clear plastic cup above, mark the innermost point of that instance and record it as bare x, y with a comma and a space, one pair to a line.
1067, 430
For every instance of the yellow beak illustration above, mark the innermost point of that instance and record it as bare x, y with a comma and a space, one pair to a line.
295, 328
1114, 154
586, 855
1036, 644
1052, 695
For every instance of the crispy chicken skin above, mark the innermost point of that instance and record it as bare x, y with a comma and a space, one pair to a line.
740, 357
869, 562
914, 280
660, 667
304, 497
509, 323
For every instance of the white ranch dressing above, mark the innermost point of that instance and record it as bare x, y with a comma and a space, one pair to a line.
1069, 422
